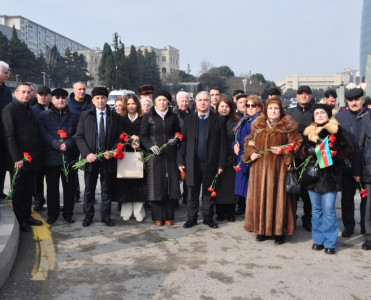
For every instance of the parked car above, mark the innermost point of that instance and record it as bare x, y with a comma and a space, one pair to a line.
113, 95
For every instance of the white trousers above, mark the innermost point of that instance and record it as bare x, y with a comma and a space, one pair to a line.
130, 208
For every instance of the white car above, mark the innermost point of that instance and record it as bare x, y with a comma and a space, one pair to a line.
113, 95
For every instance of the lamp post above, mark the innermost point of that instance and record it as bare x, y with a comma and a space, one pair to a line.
43, 76
117, 45
244, 81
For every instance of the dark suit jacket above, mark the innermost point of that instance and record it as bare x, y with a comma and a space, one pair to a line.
86, 135
216, 147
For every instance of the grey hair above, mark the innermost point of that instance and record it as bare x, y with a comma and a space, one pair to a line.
3, 64
147, 99
180, 94
203, 92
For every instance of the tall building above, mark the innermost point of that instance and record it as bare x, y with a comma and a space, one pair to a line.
36, 37
365, 47
167, 59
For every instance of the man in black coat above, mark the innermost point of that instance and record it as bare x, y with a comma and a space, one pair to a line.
21, 135
43, 97
98, 130
302, 114
202, 155
5, 98
350, 120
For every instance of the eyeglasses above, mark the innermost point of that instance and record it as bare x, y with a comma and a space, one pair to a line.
251, 105
60, 97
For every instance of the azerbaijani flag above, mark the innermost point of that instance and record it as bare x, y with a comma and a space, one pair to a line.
323, 154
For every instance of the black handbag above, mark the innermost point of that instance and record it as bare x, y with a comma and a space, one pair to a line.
291, 181
310, 174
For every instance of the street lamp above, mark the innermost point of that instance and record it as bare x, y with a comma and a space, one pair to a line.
244, 81
43, 76
117, 45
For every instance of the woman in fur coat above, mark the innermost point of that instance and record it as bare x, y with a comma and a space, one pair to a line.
270, 210
323, 192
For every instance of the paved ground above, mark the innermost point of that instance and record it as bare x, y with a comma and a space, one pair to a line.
141, 261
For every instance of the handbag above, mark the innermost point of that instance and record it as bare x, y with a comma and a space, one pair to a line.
291, 181
130, 166
310, 174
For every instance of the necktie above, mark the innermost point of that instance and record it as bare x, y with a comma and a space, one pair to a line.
202, 117
102, 134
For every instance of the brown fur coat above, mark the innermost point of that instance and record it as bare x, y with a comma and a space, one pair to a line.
270, 210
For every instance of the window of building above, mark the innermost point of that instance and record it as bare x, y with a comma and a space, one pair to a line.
164, 59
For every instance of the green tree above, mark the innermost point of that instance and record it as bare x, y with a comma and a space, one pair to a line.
4, 48
57, 67
122, 68
22, 60
133, 69
76, 68
222, 71
185, 77
152, 72
106, 69
42, 66
213, 79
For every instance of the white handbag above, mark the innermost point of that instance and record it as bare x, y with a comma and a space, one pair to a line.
130, 166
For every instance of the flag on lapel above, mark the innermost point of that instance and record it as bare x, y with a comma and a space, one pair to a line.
323, 154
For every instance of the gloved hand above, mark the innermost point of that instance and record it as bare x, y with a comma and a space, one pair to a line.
311, 150
172, 142
155, 150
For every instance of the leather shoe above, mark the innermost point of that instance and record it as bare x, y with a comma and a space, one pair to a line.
34, 222
87, 222
24, 227
70, 220
330, 250
210, 223
261, 237
108, 221
347, 232
279, 239
50, 220
366, 245
169, 222
158, 223
318, 247
190, 223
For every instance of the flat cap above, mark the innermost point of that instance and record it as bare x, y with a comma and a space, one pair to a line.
59, 92
43, 89
145, 89
164, 93
100, 90
241, 96
304, 88
354, 93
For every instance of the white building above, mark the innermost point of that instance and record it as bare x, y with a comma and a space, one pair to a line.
37, 37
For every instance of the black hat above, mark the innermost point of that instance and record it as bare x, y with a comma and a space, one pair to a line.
100, 90
354, 94
304, 88
241, 96
274, 91
237, 92
162, 93
59, 92
145, 89
43, 89
325, 107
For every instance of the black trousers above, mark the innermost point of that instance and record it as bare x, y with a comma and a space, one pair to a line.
225, 209
38, 193
22, 196
348, 191
2, 179
52, 175
162, 210
193, 201
106, 182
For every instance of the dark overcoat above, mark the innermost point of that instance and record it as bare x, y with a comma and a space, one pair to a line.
157, 131
365, 148
50, 122
87, 133
21, 135
5, 99
216, 148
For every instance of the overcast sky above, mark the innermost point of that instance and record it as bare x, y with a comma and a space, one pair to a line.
272, 37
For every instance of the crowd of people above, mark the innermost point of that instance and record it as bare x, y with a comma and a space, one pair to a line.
233, 155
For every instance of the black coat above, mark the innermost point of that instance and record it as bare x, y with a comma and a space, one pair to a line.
216, 148
156, 131
365, 148
302, 115
37, 109
50, 122
21, 135
5, 99
87, 133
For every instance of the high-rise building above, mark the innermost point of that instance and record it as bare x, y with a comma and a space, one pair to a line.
365, 47
37, 37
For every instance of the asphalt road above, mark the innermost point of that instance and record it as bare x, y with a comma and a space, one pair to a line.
142, 261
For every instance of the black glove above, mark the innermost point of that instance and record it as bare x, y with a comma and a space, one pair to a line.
155, 150
311, 150
172, 142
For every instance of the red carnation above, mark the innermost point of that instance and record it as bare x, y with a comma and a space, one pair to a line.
237, 168
333, 153
213, 194
332, 138
27, 157
179, 136
210, 189
62, 133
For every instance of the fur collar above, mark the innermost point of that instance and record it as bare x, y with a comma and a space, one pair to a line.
286, 124
313, 130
